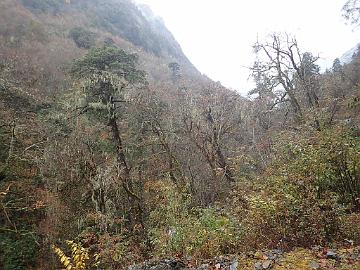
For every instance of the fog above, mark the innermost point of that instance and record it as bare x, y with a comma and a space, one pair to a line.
217, 36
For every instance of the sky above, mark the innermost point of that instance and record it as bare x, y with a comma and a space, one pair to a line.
217, 35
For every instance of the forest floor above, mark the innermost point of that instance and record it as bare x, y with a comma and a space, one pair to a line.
303, 259
317, 258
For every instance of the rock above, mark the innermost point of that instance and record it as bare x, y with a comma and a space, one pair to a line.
159, 265
270, 255
317, 248
356, 254
330, 254
234, 265
176, 264
273, 255
349, 241
314, 265
277, 251
204, 266
217, 266
263, 265
258, 266
267, 264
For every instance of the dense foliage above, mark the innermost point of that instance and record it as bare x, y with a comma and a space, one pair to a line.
82, 37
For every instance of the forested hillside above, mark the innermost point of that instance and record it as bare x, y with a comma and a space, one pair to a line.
115, 150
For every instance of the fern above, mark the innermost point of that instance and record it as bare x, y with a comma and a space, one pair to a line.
79, 256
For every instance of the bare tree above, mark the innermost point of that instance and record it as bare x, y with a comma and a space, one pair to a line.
351, 11
211, 121
284, 72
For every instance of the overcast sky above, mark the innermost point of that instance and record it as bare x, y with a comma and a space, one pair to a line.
217, 35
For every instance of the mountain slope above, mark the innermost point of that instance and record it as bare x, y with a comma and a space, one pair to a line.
119, 17
40, 38
348, 55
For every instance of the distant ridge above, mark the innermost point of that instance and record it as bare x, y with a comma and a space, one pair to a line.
347, 56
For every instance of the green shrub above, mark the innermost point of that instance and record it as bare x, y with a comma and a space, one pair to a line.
18, 251
350, 227
4, 144
82, 37
304, 196
329, 162
178, 229
285, 215
43, 5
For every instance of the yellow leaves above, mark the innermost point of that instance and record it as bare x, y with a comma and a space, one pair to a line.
298, 259
79, 256
39, 204
65, 261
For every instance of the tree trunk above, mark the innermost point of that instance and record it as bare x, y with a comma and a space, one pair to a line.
135, 213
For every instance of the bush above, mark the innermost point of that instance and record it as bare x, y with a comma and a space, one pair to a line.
178, 229
4, 142
82, 37
329, 162
18, 251
43, 5
284, 215
350, 227
304, 196
79, 256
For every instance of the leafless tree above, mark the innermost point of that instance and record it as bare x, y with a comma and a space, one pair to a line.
283, 71
351, 11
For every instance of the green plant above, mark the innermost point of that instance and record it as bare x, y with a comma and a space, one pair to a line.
350, 227
282, 214
329, 162
82, 37
78, 259
303, 196
43, 5
18, 250
179, 229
